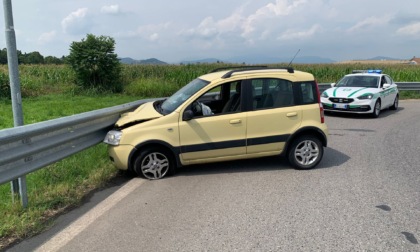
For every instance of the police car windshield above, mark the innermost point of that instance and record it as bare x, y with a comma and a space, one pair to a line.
173, 102
359, 81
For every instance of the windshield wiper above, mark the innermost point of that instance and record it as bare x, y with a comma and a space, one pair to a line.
158, 106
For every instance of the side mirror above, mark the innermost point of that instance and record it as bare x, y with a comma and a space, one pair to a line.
187, 115
333, 84
386, 85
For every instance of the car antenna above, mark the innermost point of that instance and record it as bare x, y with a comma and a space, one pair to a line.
293, 58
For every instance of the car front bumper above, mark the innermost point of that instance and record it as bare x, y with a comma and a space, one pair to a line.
119, 155
357, 106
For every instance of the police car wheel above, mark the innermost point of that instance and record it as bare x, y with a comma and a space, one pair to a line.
376, 109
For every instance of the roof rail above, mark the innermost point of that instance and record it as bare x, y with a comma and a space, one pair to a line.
237, 67
229, 74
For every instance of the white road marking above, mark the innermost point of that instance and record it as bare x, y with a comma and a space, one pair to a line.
61, 239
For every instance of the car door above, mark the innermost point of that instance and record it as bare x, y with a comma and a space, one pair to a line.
220, 136
273, 115
391, 91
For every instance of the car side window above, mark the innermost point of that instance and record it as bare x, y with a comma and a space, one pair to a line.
308, 91
271, 93
383, 81
388, 79
225, 98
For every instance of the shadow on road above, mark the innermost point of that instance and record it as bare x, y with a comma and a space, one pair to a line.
332, 158
384, 113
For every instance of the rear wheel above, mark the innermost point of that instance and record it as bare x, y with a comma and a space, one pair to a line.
395, 105
376, 109
154, 163
305, 152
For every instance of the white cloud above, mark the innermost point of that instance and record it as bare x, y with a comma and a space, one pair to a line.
279, 8
412, 29
76, 22
148, 32
369, 23
154, 37
110, 9
292, 34
253, 27
205, 30
47, 37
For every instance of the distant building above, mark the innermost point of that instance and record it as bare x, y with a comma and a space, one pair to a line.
414, 61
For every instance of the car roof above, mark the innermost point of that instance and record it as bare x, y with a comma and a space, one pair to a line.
268, 72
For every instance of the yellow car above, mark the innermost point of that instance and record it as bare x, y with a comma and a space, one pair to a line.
231, 114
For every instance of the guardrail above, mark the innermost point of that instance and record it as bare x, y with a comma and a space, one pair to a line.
407, 86
25, 149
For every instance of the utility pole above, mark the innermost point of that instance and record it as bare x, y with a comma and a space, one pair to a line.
19, 185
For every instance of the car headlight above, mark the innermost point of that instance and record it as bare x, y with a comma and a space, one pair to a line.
324, 95
365, 97
113, 137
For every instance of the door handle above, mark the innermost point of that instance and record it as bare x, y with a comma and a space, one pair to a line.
235, 121
291, 114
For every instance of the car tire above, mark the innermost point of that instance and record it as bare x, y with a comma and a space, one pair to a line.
154, 163
376, 109
305, 152
395, 105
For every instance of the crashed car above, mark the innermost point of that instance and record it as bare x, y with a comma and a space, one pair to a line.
362, 92
224, 115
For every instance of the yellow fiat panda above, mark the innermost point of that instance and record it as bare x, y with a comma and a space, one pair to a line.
228, 114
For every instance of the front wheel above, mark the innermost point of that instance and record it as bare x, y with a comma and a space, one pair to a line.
305, 152
154, 163
376, 109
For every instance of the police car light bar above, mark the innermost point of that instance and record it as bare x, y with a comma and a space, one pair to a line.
377, 71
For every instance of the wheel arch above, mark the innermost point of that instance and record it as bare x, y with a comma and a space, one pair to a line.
150, 144
313, 131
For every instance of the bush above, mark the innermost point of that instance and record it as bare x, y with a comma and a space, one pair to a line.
4, 85
95, 63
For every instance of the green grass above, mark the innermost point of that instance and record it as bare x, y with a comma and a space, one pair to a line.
42, 108
50, 92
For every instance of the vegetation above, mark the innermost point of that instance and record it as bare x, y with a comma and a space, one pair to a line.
31, 58
50, 91
95, 63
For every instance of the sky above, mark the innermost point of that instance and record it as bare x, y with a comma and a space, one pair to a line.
174, 31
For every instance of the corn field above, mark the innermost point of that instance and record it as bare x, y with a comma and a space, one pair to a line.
163, 80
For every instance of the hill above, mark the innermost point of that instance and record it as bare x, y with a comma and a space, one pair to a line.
151, 61
207, 60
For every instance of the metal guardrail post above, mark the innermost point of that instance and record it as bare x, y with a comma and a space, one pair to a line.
19, 185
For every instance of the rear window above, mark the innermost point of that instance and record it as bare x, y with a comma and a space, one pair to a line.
307, 92
271, 93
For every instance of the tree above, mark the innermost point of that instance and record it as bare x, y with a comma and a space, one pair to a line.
95, 63
52, 60
34, 58
3, 56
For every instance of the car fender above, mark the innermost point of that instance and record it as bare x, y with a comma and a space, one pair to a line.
137, 149
306, 130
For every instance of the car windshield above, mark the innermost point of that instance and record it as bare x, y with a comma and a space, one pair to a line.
173, 102
359, 81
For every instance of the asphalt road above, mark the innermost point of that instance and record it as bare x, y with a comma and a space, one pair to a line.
364, 196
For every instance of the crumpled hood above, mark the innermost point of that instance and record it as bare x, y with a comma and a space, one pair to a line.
145, 112
349, 92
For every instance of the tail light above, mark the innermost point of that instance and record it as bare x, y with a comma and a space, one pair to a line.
321, 108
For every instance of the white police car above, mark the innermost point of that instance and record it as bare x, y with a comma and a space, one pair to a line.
362, 92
